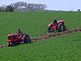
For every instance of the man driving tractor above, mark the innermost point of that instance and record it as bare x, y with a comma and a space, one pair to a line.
56, 26
52, 26
24, 36
19, 32
18, 37
54, 21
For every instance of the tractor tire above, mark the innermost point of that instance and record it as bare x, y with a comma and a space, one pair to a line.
27, 39
61, 28
50, 30
12, 44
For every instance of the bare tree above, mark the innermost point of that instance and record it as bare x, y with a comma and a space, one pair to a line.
10, 8
23, 6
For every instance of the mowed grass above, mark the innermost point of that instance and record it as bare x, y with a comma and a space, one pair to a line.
61, 48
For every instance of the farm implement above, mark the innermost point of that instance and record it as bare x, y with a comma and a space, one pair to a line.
43, 36
52, 34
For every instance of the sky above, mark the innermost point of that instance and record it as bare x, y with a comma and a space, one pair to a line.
51, 4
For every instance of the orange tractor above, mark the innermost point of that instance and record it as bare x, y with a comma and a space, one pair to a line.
15, 39
58, 26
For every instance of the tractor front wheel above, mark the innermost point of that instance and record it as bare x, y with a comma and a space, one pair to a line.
50, 29
12, 43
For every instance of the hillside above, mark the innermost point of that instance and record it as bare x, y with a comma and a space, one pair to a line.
62, 48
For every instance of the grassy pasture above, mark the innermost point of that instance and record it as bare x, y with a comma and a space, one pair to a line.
62, 48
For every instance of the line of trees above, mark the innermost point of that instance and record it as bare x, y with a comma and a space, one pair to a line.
23, 6
37, 6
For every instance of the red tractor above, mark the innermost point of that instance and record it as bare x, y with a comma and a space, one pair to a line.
15, 39
58, 26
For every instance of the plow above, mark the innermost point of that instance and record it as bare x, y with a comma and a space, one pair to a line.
52, 34
48, 35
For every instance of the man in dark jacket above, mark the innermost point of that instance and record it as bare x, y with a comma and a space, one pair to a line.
19, 32
54, 21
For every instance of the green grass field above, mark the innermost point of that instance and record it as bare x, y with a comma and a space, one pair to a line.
61, 48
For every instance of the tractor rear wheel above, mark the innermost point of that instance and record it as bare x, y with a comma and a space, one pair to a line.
61, 28
27, 39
